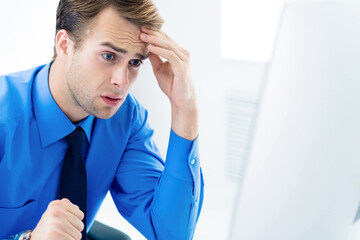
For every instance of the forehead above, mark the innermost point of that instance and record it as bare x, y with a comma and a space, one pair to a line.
110, 27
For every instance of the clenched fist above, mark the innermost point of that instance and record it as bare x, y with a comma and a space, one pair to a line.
62, 220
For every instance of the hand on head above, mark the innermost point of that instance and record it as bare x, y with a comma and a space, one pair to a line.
175, 80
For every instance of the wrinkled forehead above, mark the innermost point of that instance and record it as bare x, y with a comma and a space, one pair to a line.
109, 26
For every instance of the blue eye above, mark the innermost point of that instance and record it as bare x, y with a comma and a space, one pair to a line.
135, 62
108, 56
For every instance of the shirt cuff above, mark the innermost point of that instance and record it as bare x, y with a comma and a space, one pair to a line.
16, 236
182, 160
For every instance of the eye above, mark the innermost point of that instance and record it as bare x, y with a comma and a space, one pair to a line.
135, 62
108, 57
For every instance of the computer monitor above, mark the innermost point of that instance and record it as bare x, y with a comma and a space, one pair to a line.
303, 176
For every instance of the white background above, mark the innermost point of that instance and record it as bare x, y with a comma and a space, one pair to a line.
27, 36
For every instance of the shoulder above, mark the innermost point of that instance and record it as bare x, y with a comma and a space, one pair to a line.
136, 107
15, 93
132, 113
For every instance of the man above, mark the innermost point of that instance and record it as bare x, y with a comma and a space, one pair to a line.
70, 131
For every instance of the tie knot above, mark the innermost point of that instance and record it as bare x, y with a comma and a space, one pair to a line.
76, 140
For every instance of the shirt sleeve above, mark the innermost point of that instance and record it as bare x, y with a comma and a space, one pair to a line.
2, 139
162, 200
14, 237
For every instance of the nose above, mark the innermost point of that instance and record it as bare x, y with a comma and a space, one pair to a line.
120, 77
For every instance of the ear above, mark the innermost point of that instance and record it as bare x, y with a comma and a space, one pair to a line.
64, 44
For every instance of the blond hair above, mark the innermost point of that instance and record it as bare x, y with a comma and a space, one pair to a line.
75, 16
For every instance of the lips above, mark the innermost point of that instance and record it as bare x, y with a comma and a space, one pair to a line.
111, 100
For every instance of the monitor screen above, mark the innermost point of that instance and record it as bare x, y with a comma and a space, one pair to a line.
303, 175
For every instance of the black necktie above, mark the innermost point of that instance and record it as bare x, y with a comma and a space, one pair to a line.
73, 184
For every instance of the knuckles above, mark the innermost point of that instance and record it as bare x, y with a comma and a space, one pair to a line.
53, 204
56, 207
56, 211
53, 220
65, 200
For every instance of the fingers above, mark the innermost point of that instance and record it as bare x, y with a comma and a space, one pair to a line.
67, 229
72, 208
69, 213
155, 61
75, 223
71, 230
173, 75
161, 40
165, 53
61, 220
73, 214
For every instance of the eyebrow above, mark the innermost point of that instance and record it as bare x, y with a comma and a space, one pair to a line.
124, 51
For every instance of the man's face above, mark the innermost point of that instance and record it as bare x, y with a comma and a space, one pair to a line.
106, 64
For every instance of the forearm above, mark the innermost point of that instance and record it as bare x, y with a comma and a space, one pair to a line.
162, 202
184, 120
169, 203
177, 203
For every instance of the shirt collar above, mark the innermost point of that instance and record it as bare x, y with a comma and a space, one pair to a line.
52, 122
86, 124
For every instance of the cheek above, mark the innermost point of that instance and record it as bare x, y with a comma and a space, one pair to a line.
133, 74
96, 75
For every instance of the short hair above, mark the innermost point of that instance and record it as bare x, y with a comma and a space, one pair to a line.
75, 16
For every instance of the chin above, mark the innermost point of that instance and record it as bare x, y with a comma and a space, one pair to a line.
102, 112
104, 115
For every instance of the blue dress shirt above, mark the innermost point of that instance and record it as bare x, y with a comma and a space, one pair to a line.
162, 200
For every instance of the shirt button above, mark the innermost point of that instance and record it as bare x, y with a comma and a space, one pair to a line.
192, 162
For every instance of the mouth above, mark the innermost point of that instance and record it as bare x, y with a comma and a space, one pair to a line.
111, 100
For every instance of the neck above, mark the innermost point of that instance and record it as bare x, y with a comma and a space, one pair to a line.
60, 92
